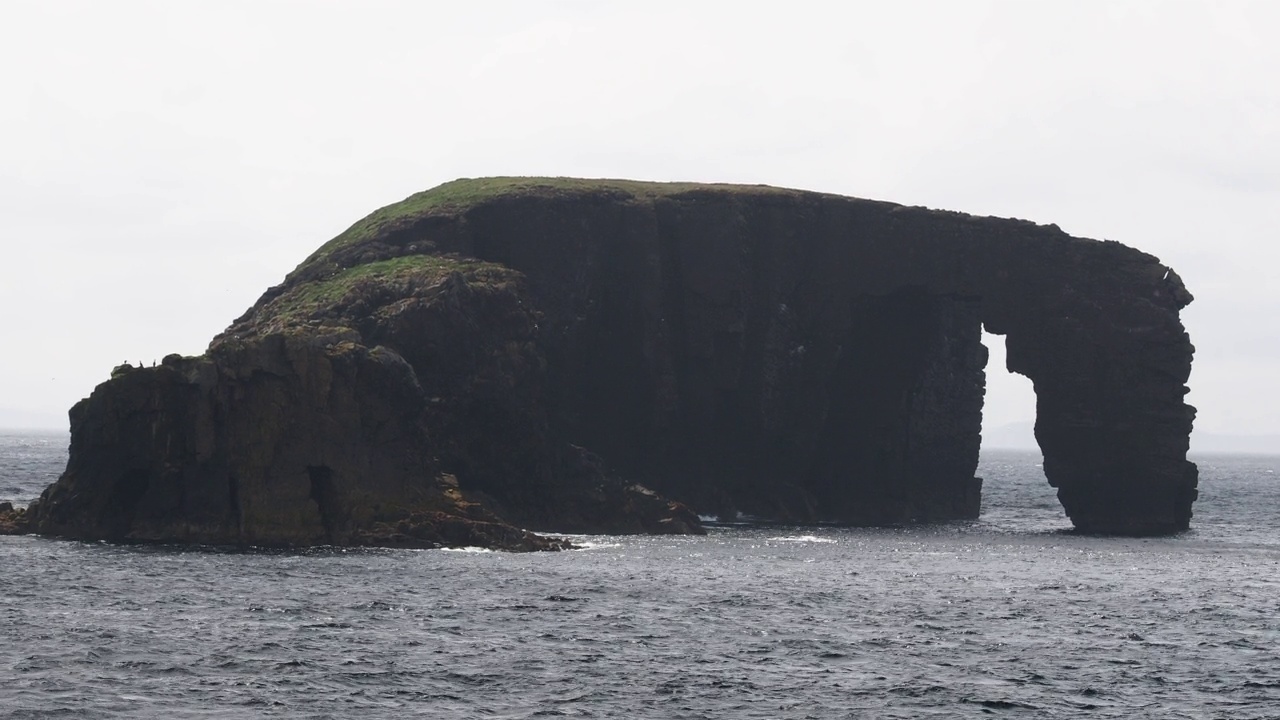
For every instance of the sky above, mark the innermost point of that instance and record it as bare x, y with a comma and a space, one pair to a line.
163, 163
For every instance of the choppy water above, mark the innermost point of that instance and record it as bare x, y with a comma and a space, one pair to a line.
1006, 616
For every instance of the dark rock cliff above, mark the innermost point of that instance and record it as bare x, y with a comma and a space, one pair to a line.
543, 352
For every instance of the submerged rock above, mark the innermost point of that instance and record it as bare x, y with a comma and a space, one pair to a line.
610, 356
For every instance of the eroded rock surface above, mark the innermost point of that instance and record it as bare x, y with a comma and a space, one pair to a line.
608, 356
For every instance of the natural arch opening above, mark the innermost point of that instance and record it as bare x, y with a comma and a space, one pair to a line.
1016, 493
1009, 405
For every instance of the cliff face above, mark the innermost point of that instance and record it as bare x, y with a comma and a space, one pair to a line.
315, 428
528, 349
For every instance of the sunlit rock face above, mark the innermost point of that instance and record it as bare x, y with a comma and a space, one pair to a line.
605, 356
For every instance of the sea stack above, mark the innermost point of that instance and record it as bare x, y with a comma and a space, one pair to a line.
505, 355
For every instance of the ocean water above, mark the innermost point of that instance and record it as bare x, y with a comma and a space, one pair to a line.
1010, 615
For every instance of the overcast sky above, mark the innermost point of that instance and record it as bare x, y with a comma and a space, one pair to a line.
165, 162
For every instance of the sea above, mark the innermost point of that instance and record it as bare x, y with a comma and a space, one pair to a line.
1011, 615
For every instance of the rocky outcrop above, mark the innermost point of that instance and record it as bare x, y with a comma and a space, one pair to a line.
306, 434
293, 439
605, 356
13, 520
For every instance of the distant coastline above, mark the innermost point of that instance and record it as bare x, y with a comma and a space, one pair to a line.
15, 419
1021, 436
1213, 444
15, 430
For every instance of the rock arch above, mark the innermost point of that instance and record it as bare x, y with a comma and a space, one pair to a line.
508, 349
808, 357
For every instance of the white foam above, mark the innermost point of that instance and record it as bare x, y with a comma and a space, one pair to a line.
594, 545
802, 538
590, 542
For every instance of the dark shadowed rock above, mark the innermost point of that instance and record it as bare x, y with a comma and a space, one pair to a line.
13, 521
609, 356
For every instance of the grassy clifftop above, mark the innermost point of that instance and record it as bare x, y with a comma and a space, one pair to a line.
347, 294
372, 259
458, 196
